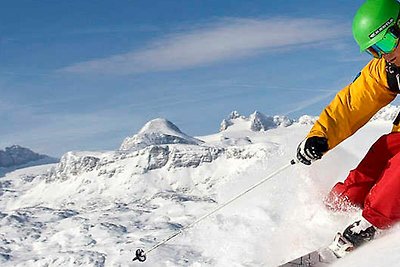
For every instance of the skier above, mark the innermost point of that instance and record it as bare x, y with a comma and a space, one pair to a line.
374, 185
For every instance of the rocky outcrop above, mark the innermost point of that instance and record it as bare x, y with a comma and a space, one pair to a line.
73, 164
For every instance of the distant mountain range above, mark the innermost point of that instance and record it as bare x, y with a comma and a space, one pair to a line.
15, 157
160, 144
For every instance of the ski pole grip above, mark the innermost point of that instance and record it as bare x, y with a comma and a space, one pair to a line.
294, 161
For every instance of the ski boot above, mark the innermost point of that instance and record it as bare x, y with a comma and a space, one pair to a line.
353, 236
359, 232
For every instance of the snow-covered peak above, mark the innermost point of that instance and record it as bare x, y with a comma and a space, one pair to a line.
161, 125
158, 132
261, 122
255, 122
307, 120
235, 115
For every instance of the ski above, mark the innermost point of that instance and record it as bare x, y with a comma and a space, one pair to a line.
325, 256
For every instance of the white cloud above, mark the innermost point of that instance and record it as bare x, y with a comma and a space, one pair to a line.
225, 40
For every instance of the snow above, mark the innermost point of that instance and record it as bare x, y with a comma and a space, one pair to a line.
97, 208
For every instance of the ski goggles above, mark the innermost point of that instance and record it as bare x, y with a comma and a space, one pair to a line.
386, 45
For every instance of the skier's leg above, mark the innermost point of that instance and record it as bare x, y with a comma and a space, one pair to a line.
353, 191
382, 205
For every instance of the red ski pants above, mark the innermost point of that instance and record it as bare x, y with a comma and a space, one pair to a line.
374, 185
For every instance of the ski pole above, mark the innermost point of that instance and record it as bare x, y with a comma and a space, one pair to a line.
141, 254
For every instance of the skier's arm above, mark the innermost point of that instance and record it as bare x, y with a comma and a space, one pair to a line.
354, 105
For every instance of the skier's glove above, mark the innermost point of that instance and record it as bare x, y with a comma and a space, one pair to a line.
311, 149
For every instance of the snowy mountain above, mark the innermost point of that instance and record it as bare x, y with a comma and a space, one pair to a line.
158, 132
256, 121
97, 208
15, 157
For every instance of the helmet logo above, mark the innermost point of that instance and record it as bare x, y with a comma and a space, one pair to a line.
381, 28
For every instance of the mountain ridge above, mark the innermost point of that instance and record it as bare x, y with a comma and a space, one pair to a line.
16, 157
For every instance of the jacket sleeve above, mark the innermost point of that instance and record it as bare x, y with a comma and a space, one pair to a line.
355, 104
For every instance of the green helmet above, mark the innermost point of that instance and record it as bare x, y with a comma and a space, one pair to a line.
372, 21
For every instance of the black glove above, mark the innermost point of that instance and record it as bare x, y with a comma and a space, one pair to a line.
312, 149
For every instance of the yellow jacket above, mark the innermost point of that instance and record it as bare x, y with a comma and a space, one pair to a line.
355, 104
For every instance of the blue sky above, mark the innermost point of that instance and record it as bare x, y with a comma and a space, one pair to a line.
83, 75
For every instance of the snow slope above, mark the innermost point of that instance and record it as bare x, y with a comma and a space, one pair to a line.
97, 208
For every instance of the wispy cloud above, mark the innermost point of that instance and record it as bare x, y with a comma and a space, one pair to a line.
224, 40
302, 105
